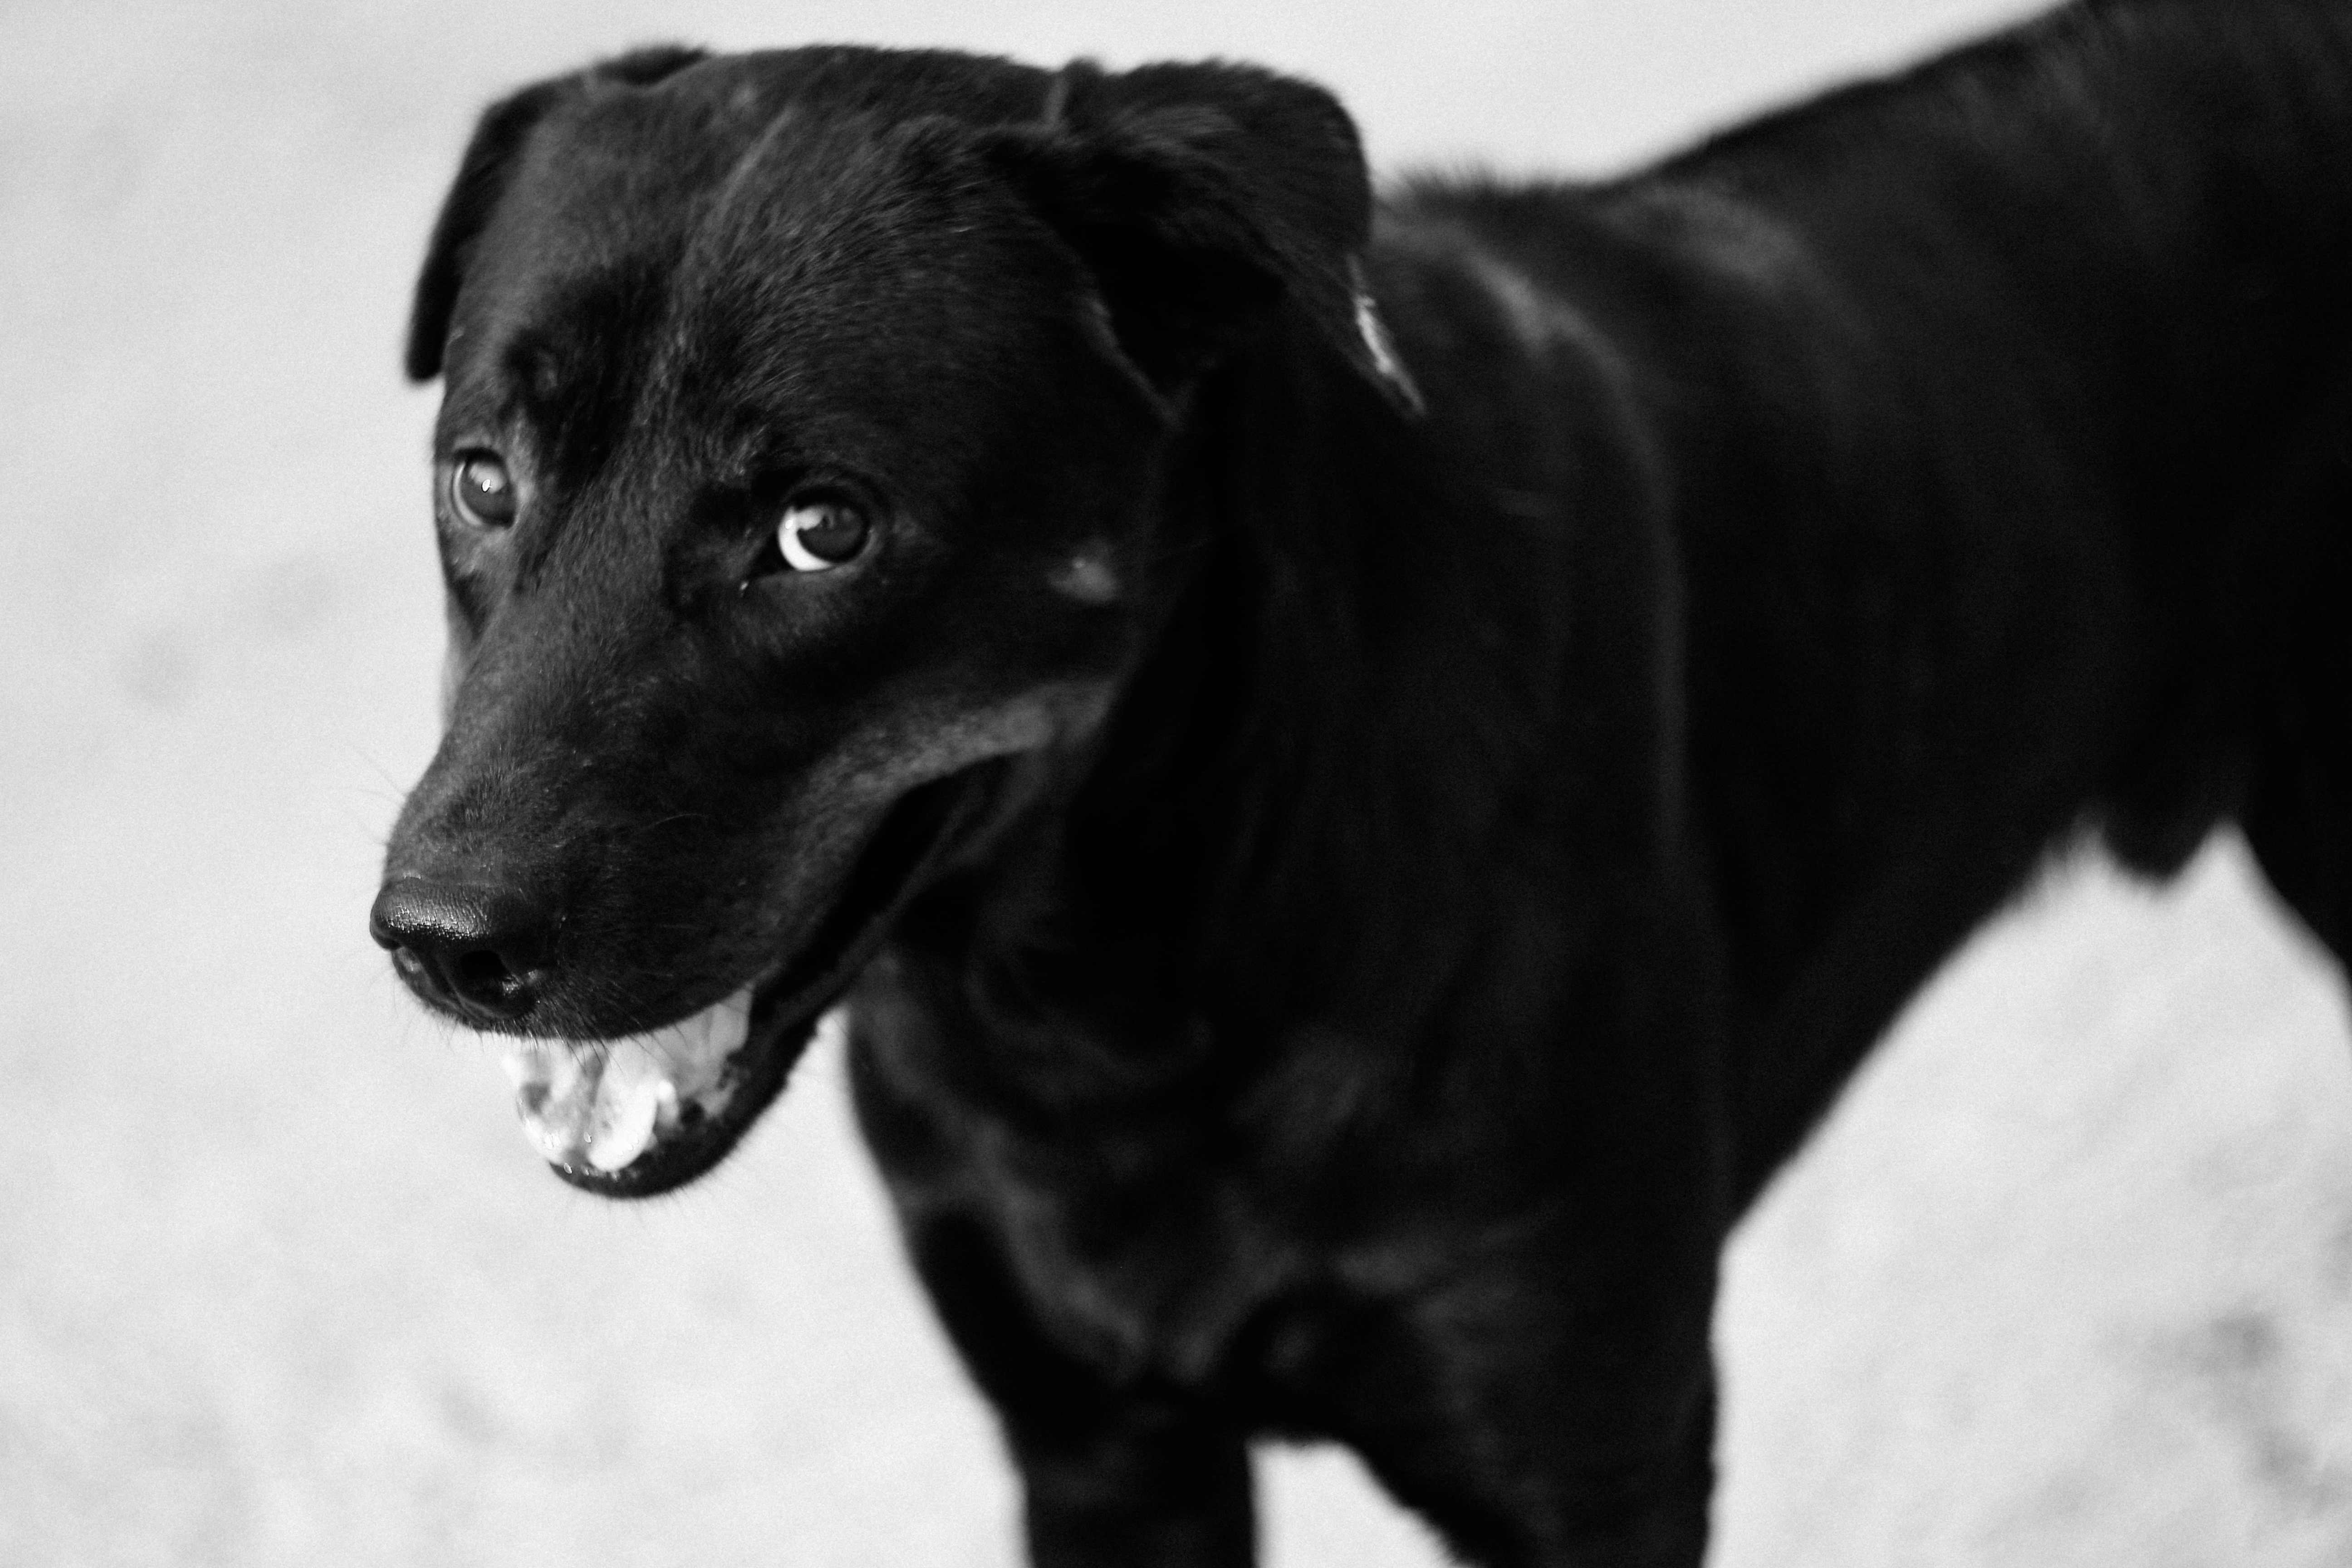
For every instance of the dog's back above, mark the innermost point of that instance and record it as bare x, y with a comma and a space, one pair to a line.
1999, 414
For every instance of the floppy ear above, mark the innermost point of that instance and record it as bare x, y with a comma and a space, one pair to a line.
1200, 197
498, 139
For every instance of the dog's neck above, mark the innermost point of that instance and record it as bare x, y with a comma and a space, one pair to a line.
1289, 820
1275, 776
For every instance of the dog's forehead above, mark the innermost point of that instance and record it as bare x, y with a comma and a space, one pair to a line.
859, 250
632, 160
753, 236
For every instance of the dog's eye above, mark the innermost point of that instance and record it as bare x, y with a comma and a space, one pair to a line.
820, 534
482, 490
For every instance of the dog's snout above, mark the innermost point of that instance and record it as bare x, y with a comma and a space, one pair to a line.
480, 951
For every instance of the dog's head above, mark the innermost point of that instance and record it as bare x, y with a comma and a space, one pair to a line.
798, 480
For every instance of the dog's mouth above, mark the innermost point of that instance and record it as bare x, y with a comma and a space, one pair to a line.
632, 1116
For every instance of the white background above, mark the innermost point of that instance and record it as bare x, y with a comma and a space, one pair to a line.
2069, 1280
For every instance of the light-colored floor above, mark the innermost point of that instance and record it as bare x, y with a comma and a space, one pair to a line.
2068, 1281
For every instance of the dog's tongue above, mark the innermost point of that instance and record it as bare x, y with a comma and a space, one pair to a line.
602, 1102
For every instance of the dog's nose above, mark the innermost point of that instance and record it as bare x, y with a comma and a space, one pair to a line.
481, 951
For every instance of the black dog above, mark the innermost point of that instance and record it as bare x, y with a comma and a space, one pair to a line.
1352, 857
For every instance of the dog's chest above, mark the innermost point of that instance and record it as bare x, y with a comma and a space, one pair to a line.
1185, 1245
1158, 1269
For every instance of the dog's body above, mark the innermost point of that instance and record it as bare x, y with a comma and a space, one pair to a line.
1360, 848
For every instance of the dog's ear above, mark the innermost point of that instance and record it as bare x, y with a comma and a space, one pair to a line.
490, 156
1200, 197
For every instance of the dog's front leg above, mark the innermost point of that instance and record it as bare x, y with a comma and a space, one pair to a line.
1527, 1447
1544, 1391
1146, 1486
1114, 1477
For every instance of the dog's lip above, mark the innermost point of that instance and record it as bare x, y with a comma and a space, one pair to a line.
789, 1008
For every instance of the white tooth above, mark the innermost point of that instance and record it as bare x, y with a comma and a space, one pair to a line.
538, 1061
694, 1051
629, 1100
555, 1094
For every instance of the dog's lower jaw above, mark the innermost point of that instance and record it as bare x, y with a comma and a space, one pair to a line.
604, 1103
640, 1115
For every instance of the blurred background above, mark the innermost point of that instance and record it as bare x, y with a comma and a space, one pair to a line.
2068, 1280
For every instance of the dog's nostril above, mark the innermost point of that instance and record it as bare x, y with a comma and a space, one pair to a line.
484, 979
475, 949
481, 969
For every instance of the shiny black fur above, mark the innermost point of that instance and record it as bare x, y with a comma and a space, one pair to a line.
1523, 793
